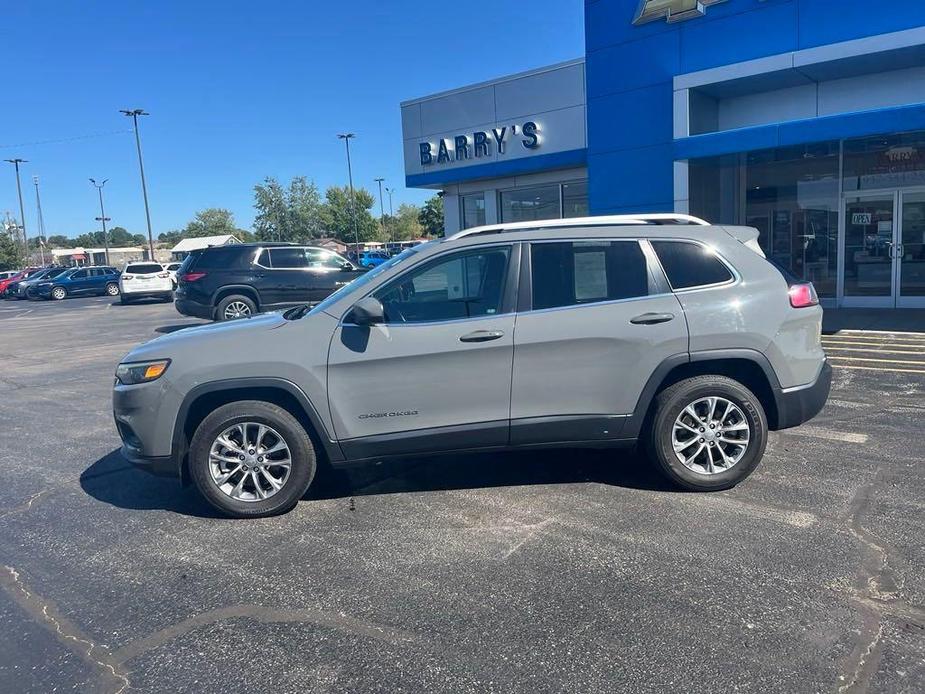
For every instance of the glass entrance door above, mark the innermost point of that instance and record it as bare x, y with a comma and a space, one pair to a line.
884, 258
869, 240
910, 250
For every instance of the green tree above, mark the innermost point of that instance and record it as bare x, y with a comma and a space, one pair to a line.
212, 221
406, 224
58, 241
118, 236
431, 216
171, 238
11, 257
304, 212
92, 239
271, 222
338, 214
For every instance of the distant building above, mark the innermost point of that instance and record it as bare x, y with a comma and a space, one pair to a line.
186, 246
80, 256
331, 245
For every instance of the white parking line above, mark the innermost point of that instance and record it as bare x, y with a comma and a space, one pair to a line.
828, 435
878, 368
881, 332
875, 351
886, 361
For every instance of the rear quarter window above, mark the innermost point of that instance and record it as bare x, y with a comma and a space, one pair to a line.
225, 258
690, 265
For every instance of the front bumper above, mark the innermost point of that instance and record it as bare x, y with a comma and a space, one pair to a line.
142, 414
162, 466
798, 405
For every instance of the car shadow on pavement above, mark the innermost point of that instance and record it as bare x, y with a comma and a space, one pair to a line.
113, 480
616, 467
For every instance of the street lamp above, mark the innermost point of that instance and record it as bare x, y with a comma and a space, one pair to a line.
133, 114
38, 208
103, 218
346, 137
22, 212
381, 207
391, 213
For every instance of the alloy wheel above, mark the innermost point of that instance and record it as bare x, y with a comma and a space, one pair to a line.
236, 309
250, 461
710, 435
112, 289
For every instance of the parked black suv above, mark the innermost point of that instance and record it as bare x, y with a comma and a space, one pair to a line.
225, 282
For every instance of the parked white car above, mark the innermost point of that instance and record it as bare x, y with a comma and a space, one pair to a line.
172, 269
145, 279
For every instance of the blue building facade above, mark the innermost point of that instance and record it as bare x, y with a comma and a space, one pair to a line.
802, 118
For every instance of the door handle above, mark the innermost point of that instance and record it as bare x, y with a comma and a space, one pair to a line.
652, 318
481, 336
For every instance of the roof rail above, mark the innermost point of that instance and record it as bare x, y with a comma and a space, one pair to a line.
620, 219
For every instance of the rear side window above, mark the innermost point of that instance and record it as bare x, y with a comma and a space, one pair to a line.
144, 268
223, 258
584, 272
690, 264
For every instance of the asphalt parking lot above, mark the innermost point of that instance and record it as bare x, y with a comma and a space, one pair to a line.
527, 572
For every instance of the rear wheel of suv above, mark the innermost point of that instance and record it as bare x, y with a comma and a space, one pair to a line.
708, 433
251, 459
235, 306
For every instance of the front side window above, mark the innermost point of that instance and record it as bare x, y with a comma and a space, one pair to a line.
463, 285
690, 265
79, 275
288, 258
582, 272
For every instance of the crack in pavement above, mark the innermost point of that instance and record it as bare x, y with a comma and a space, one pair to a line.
24, 506
335, 620
876, 598
66, 632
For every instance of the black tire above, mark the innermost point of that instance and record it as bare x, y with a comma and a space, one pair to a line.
669, 405
58, 293
302, 454
234, 299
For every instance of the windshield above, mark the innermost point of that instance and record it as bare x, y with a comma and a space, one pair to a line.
367, 277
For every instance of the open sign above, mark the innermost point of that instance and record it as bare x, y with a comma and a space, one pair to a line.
862, 218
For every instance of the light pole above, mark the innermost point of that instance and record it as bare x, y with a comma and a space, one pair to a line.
133, 114
391, 213
22, 212
346, 137
38, 209
381, 207
103, 218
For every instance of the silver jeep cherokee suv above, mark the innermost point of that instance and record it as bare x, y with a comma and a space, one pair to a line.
592, 332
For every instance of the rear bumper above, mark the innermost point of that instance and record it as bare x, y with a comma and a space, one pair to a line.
193, 308
798, 405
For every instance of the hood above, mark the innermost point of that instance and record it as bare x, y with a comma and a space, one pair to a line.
203, 338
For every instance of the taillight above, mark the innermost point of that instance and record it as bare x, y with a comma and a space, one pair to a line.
128, 277
192, 276
803, 295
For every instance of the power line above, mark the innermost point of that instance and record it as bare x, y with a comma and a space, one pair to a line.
68, 139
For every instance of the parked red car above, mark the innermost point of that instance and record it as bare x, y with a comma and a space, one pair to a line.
24, 274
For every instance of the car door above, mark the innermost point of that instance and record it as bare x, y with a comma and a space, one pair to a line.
436, 375
78, 282
597, 322
288, 282
329, 272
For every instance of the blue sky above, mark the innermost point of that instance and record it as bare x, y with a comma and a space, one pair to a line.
238, 91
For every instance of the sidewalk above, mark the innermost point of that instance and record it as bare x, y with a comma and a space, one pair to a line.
906, 320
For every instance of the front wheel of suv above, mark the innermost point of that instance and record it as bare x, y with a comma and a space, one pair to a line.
707, 433
251, 459
235, 306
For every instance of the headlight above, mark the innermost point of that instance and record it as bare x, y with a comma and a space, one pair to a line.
141, 371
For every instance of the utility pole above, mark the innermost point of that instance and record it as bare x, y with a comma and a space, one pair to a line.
391, 213
38, 208
381, 207
22, 212
346, 137
133, 114
103, 218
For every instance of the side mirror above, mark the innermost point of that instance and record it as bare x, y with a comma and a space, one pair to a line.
368, 311
347, 267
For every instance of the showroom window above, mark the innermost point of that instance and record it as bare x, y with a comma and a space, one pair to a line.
553, 201
789, 194
472, 210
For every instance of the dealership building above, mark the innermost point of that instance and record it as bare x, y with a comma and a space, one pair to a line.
802, 118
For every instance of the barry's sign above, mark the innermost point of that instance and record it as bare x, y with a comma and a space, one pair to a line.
479, 144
